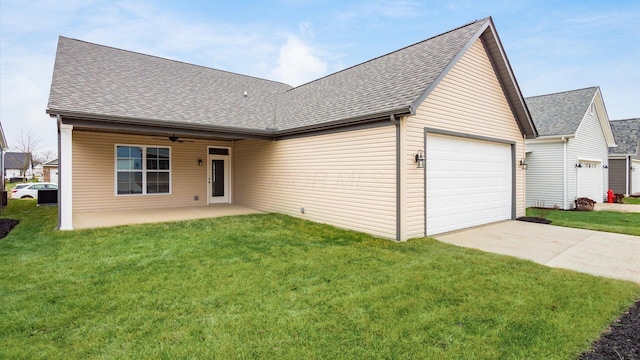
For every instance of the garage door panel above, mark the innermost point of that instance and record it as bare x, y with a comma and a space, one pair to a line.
590, 180
469, 182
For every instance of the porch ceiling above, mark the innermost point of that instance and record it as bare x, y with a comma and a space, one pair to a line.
97, 219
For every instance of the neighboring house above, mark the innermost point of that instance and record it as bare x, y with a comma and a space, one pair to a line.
3, 147
37, 169
624, 160
17, 164
569, 159
50, 171
340, 150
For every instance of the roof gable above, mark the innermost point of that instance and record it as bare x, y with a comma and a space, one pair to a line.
627, 134
389, 84
52, 163
16, 160
560, 113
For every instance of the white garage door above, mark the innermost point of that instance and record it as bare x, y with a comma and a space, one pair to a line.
469, 182
635, 176
590, 180
54, 175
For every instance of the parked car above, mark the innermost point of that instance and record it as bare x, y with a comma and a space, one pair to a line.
30, 190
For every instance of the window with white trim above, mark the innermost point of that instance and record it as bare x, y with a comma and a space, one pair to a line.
143, 170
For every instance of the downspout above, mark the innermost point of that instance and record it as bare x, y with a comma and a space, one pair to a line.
59, 121
627, 175
395, 122
564, 174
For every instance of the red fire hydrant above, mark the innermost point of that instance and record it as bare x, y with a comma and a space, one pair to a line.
610, 196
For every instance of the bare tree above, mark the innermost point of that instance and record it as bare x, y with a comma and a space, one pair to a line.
27, 142
43, 157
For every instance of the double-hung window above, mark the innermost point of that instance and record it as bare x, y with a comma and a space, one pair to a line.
143, 170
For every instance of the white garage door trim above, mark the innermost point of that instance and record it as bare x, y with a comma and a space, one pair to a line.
635, 176
455, 163
589, 179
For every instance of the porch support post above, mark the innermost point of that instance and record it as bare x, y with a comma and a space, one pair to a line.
65, 178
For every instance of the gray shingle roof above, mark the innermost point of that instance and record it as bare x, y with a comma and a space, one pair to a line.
15, 160
560, 113
105, 81
388, 83
627, 134
53, 162
106, 84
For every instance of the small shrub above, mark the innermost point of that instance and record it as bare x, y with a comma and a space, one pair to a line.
584, 204
618, 198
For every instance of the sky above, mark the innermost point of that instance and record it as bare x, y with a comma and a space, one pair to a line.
552, 46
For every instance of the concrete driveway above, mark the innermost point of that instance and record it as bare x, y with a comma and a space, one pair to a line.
617, 207
593, 252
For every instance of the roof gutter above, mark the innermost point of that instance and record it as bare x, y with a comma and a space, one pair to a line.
114, 123
553, 138
382, 116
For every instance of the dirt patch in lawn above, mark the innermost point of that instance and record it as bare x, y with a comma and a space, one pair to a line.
621, 340
534, 220
6, 225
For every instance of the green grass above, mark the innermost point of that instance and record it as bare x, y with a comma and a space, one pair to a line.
631, 200
272, 286
610, 221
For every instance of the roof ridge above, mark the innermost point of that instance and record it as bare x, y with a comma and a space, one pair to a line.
638, 118
172, 60
389, 53
563, 92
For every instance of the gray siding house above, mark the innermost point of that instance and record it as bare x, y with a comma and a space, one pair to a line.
569, 159
624, 160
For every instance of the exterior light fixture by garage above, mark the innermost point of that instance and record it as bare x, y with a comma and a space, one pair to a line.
199, 162
578, 165
523, 164
605, 166
420, 159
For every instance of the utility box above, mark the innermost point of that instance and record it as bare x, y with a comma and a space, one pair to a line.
47, 197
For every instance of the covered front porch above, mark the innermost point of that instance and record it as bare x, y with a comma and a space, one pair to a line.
96, 219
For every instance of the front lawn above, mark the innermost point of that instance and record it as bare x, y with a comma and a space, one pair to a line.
272, 286
610, 221
631, 200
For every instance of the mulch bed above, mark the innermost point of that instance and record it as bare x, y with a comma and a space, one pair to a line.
536, 220
621, 340
6, 225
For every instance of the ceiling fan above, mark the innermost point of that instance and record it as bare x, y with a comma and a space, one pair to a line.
173, 138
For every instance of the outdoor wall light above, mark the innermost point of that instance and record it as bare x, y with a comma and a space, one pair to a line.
523, 164
419, 158
199, 162
605, 166
578, 165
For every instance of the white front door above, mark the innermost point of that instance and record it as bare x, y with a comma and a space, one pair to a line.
635, 176
218, 179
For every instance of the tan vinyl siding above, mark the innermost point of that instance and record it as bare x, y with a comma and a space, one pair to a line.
545, 178
346, 179
468, 100
94, 172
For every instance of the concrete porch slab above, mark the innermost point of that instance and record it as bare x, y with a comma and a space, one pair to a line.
96, 219
593, 252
